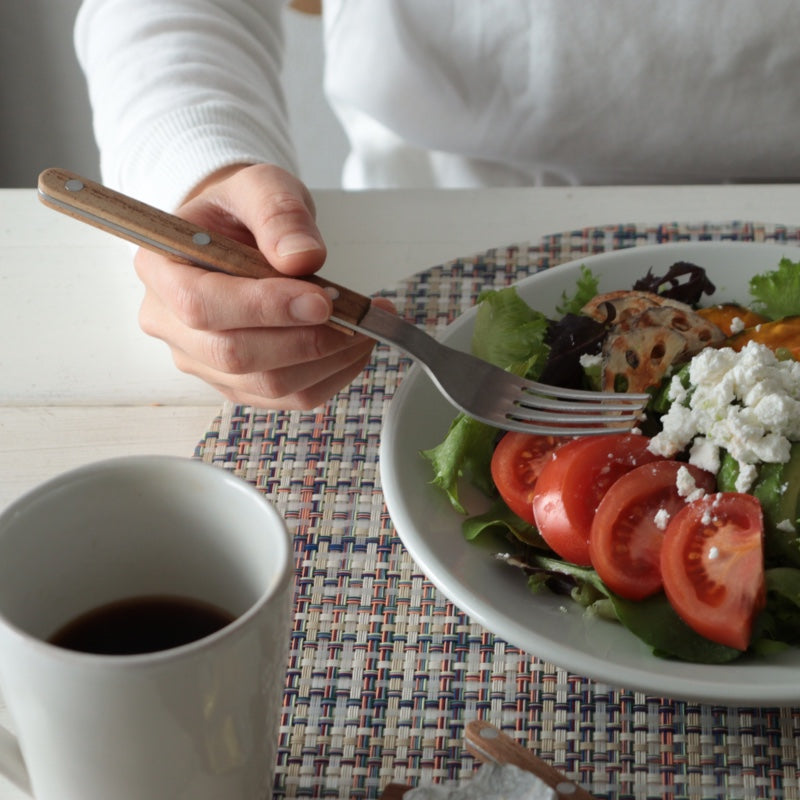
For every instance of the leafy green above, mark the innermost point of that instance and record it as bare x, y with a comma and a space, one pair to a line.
466, 451
501, 519
777, 293
586, 290
653, 620
780, 622
509, 334
657, 624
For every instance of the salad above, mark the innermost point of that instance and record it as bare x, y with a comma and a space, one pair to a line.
685, 531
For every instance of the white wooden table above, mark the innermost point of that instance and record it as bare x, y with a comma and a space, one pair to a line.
80, 382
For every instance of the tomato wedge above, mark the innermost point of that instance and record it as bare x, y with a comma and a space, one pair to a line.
573, 482
712, 565
516, 463
629, 524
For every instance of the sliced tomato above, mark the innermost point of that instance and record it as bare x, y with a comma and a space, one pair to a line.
516, 463
573, 482
712, 565
629, 524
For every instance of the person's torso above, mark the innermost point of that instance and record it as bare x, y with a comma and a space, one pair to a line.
565, 91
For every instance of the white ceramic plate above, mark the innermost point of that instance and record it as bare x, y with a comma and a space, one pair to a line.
494, 594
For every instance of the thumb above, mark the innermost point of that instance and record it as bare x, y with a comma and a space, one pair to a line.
278, 212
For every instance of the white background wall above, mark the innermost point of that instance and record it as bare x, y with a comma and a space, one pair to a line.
44, 110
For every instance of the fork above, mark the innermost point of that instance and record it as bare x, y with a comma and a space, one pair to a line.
476, 387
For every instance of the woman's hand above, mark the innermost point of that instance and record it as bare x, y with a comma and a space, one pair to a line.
259, 342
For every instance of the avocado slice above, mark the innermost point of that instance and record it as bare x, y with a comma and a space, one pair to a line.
777, 487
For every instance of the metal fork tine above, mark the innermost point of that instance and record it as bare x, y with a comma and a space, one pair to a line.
561, 395
531, 400
570, 418
550, 429
578, 394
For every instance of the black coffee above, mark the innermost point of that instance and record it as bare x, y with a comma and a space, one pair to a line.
141, 625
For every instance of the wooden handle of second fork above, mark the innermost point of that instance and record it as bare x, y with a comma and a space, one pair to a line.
164, 233
487, 743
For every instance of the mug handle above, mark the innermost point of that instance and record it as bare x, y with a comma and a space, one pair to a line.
12, 765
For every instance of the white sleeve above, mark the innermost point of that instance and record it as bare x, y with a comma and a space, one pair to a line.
180, 88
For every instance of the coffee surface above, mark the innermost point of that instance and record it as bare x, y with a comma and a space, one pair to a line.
141, 625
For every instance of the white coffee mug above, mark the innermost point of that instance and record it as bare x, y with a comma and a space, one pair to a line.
198, 721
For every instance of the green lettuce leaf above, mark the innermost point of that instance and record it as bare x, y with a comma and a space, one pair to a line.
780, 621
777, 293
509, 334
500, 519
653, 620
586, 290
465, 452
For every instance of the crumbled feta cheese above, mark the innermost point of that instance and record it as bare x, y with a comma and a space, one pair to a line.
587, 360
704, 454
713, 552
687, 487
737, 325
746, 402
746, 477
661, 519
786, 525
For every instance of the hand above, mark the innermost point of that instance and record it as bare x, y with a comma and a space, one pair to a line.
259, 342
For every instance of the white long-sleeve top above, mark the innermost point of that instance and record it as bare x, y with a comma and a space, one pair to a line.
452, 92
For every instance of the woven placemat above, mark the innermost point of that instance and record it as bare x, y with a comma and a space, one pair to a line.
384, 672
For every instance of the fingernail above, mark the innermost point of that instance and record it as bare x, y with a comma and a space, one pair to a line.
294, 243
309, 308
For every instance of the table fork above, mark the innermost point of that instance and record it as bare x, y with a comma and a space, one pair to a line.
476, 387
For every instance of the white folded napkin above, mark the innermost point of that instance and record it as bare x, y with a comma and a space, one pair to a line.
491, 782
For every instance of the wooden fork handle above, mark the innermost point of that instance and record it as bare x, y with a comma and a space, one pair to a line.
169, 235
394, 791
489, 744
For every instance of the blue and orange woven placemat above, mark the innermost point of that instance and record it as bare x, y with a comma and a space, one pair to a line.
384, 672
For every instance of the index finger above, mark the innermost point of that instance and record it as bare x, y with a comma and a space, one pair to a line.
214, 301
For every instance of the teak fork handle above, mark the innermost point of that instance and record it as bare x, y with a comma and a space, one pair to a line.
169, 235
489, 744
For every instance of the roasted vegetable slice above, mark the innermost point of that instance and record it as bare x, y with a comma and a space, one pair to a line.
613, 308
730, 318
782, 334
639, 351
635, 360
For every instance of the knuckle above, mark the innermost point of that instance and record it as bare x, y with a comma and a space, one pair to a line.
283, 204
313, 342
227, 353
271, 385
191, 308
